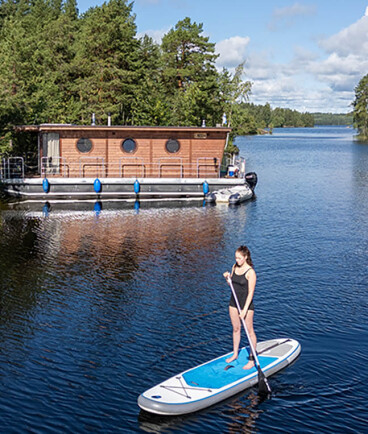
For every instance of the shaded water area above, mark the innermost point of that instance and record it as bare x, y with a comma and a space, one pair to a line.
97, 307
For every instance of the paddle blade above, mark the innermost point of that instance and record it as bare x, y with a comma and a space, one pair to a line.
264, 389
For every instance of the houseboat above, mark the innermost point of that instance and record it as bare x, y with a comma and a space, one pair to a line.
91, 162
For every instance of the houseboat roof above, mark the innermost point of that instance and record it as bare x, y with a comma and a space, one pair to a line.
66, 127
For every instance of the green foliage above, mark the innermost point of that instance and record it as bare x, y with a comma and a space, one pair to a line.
35, 54
231, 148
188, 56
150, 106
106, 62
252, 118
333, 118
189, 76
360, 105
234, 91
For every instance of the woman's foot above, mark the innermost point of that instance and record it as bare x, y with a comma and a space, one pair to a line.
249, 365
232, 358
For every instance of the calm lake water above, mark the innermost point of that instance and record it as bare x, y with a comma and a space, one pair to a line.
97, 307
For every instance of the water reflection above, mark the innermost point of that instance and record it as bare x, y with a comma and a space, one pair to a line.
244, 414
73, 249
242, 410
19, 257
46, 209
36, 208
97, 208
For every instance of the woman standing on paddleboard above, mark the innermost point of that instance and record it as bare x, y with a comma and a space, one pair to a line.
244, 279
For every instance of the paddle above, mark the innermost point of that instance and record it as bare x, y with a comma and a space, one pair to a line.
264, 389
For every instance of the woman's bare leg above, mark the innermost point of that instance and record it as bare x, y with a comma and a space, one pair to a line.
252, 335
235, 321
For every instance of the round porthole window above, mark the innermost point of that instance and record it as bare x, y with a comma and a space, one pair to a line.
129, 146
172, 146
84, 145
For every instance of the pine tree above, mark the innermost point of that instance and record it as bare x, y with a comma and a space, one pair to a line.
189, 75
360, 105
106, 62
150, 106
15, 71
53, 96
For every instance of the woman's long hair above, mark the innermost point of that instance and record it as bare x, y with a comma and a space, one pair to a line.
246, 253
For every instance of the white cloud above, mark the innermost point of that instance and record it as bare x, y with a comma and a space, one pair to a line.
347, 60
340, 74
286, 17
232, 51
258, 67
289, 92
352, 39
294, 10
303, 56
311, 82
304, 84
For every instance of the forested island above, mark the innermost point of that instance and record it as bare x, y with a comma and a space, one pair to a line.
333, 118
59, 66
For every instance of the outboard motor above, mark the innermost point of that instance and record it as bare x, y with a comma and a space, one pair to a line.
251, 179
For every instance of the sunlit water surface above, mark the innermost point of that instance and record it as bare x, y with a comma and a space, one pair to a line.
96, 307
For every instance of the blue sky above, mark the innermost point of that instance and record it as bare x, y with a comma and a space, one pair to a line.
305, 55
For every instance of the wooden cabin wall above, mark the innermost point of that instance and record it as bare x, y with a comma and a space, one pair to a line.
151, 159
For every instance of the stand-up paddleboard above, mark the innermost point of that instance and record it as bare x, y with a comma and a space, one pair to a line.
216, 380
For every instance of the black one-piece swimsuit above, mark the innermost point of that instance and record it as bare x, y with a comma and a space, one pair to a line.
240, 284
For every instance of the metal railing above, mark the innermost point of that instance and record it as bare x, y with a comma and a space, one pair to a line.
131, 162
207, 162
168, 162
86, 163
125, 167
54, 166
12, 168
234, 160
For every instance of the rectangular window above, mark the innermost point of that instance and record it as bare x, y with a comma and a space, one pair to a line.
51, 153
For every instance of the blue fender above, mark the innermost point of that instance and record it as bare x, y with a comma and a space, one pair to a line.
46, 185
97, 186
137, 187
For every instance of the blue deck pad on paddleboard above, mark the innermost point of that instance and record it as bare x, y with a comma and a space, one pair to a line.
217, 373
